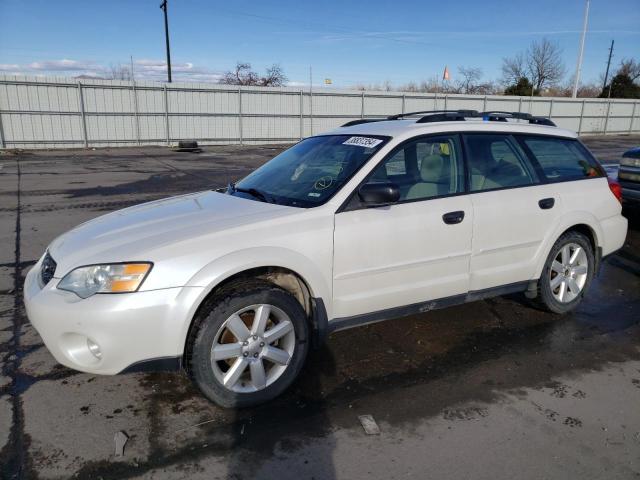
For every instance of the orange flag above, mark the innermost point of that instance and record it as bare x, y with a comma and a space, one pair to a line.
445, 75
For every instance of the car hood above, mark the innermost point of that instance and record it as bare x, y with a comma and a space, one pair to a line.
138, 233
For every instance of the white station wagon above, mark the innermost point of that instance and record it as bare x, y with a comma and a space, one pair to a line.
375, 220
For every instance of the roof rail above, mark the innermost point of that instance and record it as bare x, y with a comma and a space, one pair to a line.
429, 116
448, 116
360, 121
499, 116
466, 113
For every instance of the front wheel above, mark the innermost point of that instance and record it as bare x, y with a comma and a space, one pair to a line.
567, 273
248, 345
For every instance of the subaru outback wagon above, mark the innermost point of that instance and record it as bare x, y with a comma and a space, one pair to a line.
375, 220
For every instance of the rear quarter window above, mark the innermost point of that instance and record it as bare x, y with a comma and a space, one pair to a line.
562, 159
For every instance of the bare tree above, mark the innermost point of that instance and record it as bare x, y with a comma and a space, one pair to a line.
275, 77
244, 75
630, 67
541, 64
469, 79
241, 75
118, 72
544, 63
469, 82
513, 69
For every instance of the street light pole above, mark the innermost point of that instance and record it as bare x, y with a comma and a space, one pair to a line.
581, 52
163, 6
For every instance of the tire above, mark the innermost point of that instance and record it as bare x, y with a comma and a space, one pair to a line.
232, 381
558, 275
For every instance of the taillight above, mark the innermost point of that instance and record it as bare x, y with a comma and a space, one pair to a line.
615, 188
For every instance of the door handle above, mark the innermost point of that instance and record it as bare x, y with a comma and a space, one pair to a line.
452, 218
547, 203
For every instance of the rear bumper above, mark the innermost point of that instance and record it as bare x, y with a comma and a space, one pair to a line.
133, 330
615, 233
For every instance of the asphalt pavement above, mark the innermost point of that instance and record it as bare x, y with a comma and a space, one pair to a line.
495, 389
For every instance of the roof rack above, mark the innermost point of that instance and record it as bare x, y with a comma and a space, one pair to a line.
429, 116
466, 113
360, 121
499, 116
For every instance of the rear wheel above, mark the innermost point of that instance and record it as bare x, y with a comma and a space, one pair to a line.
248, 345
567, 273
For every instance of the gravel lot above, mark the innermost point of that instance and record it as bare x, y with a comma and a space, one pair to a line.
492, 389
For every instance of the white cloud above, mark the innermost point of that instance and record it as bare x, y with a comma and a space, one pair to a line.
9, 67
64, 65
145, 69
150, 69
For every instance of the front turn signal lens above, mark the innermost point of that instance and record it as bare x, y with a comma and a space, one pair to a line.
108, 278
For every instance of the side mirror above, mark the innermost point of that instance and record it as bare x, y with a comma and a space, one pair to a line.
377, 194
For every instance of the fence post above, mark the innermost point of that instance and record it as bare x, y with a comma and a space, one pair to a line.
606, 120
301, 114
3, 144
135, 110
362, 106
550, 108
166, 114
82, 115
445, 101
581, 117
311, 112
403, 102
633, 114
240, 114
520, 105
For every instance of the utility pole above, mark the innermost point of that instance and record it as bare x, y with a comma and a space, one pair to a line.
581, 51
606, 75
163, 6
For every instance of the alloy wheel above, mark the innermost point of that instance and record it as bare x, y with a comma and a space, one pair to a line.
568, 273
252, 348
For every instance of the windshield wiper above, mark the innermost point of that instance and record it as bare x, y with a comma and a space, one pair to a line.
254, 192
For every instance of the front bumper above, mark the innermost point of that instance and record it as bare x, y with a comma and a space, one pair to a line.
129, 328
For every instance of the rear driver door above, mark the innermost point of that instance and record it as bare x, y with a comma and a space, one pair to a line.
514, 211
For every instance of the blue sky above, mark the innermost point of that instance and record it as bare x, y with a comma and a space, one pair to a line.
350, 42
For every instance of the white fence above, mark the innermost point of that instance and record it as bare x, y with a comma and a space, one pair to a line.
50, 112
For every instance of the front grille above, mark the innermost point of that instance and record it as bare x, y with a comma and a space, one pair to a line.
48, 269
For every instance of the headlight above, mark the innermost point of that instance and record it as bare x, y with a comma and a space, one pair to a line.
114, 278
630, 162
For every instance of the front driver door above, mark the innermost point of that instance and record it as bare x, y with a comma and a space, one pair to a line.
415, 250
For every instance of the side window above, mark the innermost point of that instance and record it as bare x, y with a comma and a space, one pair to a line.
396, 165
497, 161
425, 168
562, 159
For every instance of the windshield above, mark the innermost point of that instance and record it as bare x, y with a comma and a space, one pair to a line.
310, 172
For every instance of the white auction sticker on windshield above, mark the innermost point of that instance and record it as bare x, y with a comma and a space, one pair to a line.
363, 142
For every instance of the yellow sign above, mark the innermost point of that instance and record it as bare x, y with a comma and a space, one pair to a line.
327, 81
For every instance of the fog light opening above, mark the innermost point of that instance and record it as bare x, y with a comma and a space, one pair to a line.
94, 348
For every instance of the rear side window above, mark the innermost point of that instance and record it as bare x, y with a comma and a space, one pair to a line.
497, 161
562, 159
